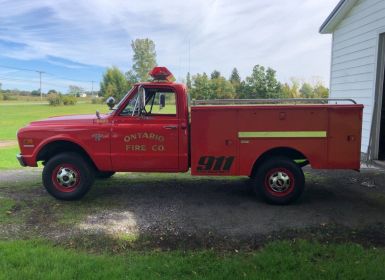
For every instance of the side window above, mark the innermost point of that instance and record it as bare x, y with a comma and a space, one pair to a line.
156, 100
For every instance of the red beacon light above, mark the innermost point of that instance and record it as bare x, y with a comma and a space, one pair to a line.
161, 74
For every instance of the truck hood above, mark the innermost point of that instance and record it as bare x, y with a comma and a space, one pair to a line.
69, 119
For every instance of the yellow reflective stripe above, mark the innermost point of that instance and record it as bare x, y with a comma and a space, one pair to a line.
283, 134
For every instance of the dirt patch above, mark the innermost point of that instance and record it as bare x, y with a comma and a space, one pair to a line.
8, 143
170, 211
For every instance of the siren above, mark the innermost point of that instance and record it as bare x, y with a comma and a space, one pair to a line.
161, 74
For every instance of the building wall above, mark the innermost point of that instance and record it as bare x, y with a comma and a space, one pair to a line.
354, 58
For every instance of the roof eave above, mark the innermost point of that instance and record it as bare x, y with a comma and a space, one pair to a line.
336, 16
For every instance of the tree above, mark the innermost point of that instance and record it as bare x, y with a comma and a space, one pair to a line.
75, 90
114, 83
221, 89
261, 84
273, 87
306, 90
188, 81
201, 87
285, 91
49, 92
291, 90
215, 74
144, 58
320, 91
131, 78
235, 79
36, 93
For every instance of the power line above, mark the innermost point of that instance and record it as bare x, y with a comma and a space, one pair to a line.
67, 79
17, 68
16, 79
48, 73
32, 81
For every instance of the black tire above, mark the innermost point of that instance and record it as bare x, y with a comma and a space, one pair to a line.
68, 176
104, 174
279, 181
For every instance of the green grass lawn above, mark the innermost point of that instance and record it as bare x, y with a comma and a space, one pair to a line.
279, 260
13, 117
8, 158
16, 115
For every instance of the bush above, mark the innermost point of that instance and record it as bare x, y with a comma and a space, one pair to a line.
1, 96
69, 100
9, 97
54, 99
97, 100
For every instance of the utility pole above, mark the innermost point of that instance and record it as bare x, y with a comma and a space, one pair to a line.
41, 94
92, 88
189, 57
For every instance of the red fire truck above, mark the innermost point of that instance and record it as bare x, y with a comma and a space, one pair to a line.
155, 129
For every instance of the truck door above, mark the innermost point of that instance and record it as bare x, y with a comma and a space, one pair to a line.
147, 140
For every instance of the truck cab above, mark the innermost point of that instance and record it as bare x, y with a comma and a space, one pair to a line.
149, 129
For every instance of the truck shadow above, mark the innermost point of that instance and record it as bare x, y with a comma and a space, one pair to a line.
186, 212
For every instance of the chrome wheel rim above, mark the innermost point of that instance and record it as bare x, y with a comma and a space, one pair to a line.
279, 182
67, 177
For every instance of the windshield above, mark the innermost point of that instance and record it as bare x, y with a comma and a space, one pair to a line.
121, 101
131, 106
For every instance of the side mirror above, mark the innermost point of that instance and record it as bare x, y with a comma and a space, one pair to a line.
162, 101
110, 102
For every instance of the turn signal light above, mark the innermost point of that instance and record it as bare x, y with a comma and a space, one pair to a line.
28, 143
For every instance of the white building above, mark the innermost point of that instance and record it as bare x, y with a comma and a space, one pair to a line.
357, 64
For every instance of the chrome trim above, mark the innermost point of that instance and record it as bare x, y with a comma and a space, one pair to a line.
19, 157
289, 101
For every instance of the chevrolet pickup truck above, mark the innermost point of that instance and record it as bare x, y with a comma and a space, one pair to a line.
154, 128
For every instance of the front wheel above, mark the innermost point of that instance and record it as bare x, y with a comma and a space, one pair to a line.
279, 180
68, 176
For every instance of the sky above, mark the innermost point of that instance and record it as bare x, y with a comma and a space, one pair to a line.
73, 42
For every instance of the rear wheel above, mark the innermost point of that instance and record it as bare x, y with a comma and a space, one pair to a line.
279, 180
68, 176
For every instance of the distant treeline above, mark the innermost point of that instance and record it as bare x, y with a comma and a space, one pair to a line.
13, 94
262, 83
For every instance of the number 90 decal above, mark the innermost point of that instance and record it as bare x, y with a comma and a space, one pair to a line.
210, 164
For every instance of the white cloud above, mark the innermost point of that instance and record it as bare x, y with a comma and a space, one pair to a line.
222, 33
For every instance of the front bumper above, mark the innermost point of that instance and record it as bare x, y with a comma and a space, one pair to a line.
19, 157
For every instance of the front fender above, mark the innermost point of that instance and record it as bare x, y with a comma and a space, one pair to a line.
31, 160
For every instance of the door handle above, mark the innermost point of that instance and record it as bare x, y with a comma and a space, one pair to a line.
170, 127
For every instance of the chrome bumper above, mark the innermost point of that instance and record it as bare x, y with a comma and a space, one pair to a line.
19, 157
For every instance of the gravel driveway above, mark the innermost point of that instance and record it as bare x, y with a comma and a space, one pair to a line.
180, 208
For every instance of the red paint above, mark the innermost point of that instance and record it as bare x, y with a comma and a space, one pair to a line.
213, 146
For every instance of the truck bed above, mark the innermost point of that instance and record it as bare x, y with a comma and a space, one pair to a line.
228, 140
